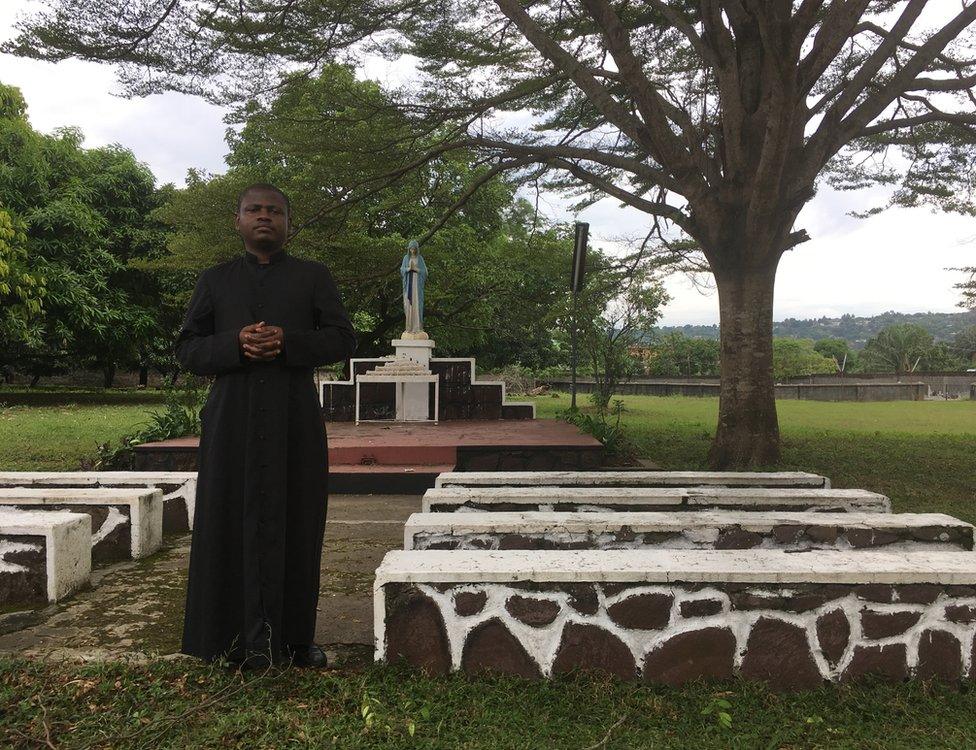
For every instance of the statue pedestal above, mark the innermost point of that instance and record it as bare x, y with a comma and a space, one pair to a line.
413, 400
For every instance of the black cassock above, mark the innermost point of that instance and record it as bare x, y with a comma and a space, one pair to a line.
262, 486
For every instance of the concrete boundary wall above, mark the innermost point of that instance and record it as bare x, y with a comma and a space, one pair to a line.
801, 391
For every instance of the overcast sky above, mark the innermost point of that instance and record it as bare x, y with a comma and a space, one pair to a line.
893, 261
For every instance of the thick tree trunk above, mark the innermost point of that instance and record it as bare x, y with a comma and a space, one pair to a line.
748, 432
108, 375
143, 376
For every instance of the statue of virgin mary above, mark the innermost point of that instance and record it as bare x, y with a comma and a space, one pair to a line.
413, 273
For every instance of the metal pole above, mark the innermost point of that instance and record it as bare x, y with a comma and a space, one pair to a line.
576, 281
573, 355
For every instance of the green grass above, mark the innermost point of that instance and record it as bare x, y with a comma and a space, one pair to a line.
178, 705
59, 438
922, 454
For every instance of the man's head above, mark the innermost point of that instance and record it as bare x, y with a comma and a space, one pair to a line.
262, 217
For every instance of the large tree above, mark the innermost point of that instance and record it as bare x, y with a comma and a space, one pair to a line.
715, 117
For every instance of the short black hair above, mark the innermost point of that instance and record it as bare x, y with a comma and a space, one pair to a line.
267, 187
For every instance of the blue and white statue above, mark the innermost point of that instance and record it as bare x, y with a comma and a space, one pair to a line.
413, 273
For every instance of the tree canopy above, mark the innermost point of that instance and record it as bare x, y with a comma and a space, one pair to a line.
497, 268
75, 218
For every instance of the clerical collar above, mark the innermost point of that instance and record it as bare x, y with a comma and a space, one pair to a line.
275, 257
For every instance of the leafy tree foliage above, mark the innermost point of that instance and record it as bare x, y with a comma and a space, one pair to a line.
838, 350
676, 355
795, 357
496, 271
965, 343
908, 348
81, 217
21, 293
967, 288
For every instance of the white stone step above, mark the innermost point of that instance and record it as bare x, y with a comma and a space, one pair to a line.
697, 530
792, 620
179, 488
571, 499
630, 479
44, 555
125, 522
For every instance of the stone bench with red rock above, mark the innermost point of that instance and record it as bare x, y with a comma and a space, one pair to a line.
604, 499
701, 530
125, 523
45, 555
628, 478
179, 488
792, 620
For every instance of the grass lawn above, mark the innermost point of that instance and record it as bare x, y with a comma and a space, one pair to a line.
58, 438
173, 705
922, 454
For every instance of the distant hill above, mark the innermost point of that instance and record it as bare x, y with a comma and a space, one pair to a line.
857, 330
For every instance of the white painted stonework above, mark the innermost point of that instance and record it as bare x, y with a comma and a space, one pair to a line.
699, 529
664, 571
667, 566
145, 509
542, 643
413, 401
629, 479
67, 537
177, 486
8, 547
598, 497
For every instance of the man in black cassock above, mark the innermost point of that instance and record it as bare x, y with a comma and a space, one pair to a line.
260, 323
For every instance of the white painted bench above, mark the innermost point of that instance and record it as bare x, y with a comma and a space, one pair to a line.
701, 530
629, 479
792, 620
45, 556
179, 488
569, 499
126, 523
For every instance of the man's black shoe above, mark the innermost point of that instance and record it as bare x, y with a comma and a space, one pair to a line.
307, 657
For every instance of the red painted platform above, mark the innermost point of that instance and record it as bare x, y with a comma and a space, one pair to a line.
398, 457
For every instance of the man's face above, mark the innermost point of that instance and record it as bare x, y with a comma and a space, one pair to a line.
262, 220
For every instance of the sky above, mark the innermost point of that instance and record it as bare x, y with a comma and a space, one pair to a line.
896, 260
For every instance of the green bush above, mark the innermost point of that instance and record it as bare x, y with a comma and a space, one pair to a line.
179, 417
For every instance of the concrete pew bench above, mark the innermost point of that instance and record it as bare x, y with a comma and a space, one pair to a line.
575, 499
125, 524
45, 556
670, 616
179, 488
630, 479
701, 530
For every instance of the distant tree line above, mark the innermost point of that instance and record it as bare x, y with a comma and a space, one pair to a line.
854, 329
900, 348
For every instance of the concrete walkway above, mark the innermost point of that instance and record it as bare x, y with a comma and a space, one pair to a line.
134, 609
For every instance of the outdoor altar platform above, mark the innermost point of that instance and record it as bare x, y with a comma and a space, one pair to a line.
406, 457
